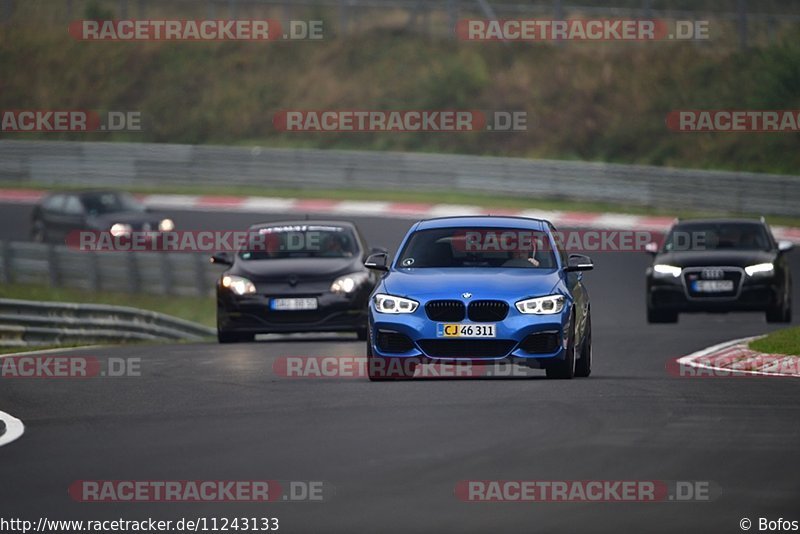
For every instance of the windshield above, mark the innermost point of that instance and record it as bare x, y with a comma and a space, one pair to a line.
103, 203
478, 247
300, 241
717, 236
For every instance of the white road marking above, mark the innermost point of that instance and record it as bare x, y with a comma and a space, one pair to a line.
14, 428
690, 358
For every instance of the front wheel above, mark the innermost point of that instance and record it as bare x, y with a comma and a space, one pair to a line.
564, 369
780, 315
583, 367
234, 337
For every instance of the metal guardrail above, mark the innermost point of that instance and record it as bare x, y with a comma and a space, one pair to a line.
25, 323
158, 165
157, 273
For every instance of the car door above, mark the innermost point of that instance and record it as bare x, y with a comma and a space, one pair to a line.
574, 283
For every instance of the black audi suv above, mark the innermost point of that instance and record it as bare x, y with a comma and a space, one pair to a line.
720, 265
296, 276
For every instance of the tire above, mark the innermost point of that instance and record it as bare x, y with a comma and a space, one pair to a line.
780, 315
234, 337
38, 232
583, 367
564, 370
661, 316
387, 369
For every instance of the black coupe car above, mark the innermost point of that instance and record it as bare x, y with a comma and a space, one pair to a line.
301, 276
719, 266
59, 214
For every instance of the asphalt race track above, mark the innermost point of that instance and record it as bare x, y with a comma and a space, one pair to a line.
394, 452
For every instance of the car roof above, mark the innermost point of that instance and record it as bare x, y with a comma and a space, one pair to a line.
719, 221
490, 221
310, 222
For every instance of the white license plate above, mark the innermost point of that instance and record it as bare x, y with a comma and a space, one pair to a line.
293, 304
713, 286
465, 330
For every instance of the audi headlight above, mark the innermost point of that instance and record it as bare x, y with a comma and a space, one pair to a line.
238, 284
392, 304
120, 229
348, 283
166, 225
760, 269
542, 305
663, 270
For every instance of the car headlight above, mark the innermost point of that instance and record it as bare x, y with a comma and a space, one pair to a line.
760, 269
166, 225
666, 270
391, 304
348, 283
239, 285
120, 229
542, 305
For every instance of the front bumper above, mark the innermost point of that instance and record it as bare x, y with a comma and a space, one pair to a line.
252, 314
673, 295
513, 336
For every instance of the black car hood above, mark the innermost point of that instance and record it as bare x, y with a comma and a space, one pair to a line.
717, 258
299, 268
134, 218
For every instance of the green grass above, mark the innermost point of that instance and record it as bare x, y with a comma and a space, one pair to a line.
434, 197
197, 309
779, 342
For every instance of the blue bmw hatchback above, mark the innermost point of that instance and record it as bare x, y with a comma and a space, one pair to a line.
481, 290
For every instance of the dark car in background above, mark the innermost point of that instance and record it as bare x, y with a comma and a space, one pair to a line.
58, 214
302, 276
722, 266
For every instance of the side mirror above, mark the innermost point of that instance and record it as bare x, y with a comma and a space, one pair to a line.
785, 246
377, 261
651, 247
222, 258
579, 262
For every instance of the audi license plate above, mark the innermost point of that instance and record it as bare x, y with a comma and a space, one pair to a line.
465, 330
712, 286
293, 304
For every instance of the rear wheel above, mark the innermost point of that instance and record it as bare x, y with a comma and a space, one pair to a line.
583, 367
661, 316
564, 369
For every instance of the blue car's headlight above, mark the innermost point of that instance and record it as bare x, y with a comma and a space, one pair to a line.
542, 305
391, 304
